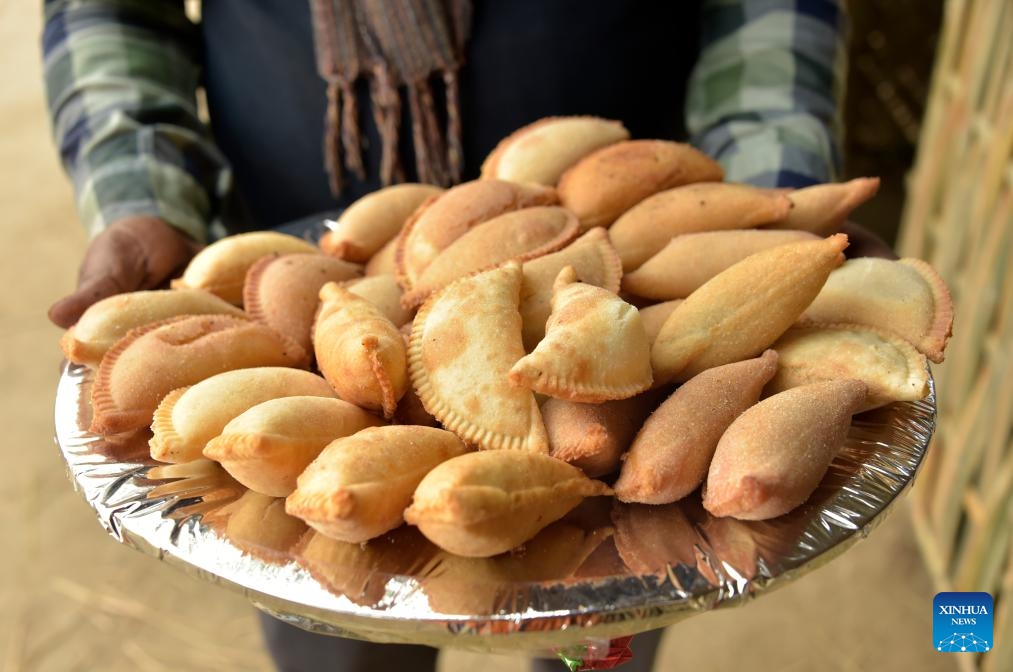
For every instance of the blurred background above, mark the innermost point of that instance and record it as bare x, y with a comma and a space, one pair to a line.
929, 110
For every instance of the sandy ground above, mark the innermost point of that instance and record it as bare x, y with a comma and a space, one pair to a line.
74, 599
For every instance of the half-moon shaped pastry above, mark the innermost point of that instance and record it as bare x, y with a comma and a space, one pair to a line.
774, 455
189, 417
519, 235
823, 208
690, 260
374, 220
654, 317
281, 291
268, 445
608, 182
596, 263
595, 347
744, 309
593, 437
889, 366
359, 485
906, 297
220, 268
359, 350
383, 262
109, 320
464, 341
153, 360
671, 453
542, 151
385, 293
647, 227
444, 219
484, 503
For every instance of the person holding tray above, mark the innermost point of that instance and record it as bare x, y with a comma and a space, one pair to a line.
311, 105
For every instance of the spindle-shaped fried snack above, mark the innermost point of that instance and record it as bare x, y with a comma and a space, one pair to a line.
189, 417
774, 455
646, 228
447, 217
654, 317
744, 309
374, 220
359, 350
690, 260
385, 293
542, 151
608, 182
268, 445
596, 263
519, 235
464, 341
220, 268
109, 320
281, 291
151, 361
671, 453
906, 297
358, 487
889, 366
595, 347
823, 208
485, 503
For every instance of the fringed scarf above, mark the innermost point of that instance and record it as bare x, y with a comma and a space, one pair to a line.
393, 43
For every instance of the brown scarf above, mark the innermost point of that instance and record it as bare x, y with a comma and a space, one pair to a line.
393, 43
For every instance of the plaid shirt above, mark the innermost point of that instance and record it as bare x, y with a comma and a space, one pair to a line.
121, 79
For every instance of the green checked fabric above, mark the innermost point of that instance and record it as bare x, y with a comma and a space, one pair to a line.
121, 77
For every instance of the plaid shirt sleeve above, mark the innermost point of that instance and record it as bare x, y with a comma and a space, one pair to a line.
763, 97
121, 77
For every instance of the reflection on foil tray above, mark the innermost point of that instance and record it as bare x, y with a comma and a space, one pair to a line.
605, 570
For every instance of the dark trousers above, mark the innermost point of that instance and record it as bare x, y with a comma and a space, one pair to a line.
296, 650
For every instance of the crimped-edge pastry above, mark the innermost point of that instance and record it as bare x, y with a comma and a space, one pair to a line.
484, 503
189, 417
464, 341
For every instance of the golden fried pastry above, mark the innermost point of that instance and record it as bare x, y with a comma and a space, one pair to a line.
595, 347
151, 361
823, 208
268, 445
519, 235
889, 366
446, 218
774, 455
596, 263
374, 220
744, 309
671, 453
608, 182
488, 502
464, 341
906, 297
259, 525
220, 268
647, 227
281, 291
359, 485
542, 151
189, 417
359, 350
383, 262
385, 293
593, 437
109, 320
654, 317
690, 260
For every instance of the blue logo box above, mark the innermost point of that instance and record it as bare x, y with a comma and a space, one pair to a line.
962, 622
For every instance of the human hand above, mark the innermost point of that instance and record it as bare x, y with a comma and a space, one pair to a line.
865, 243
136, 252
